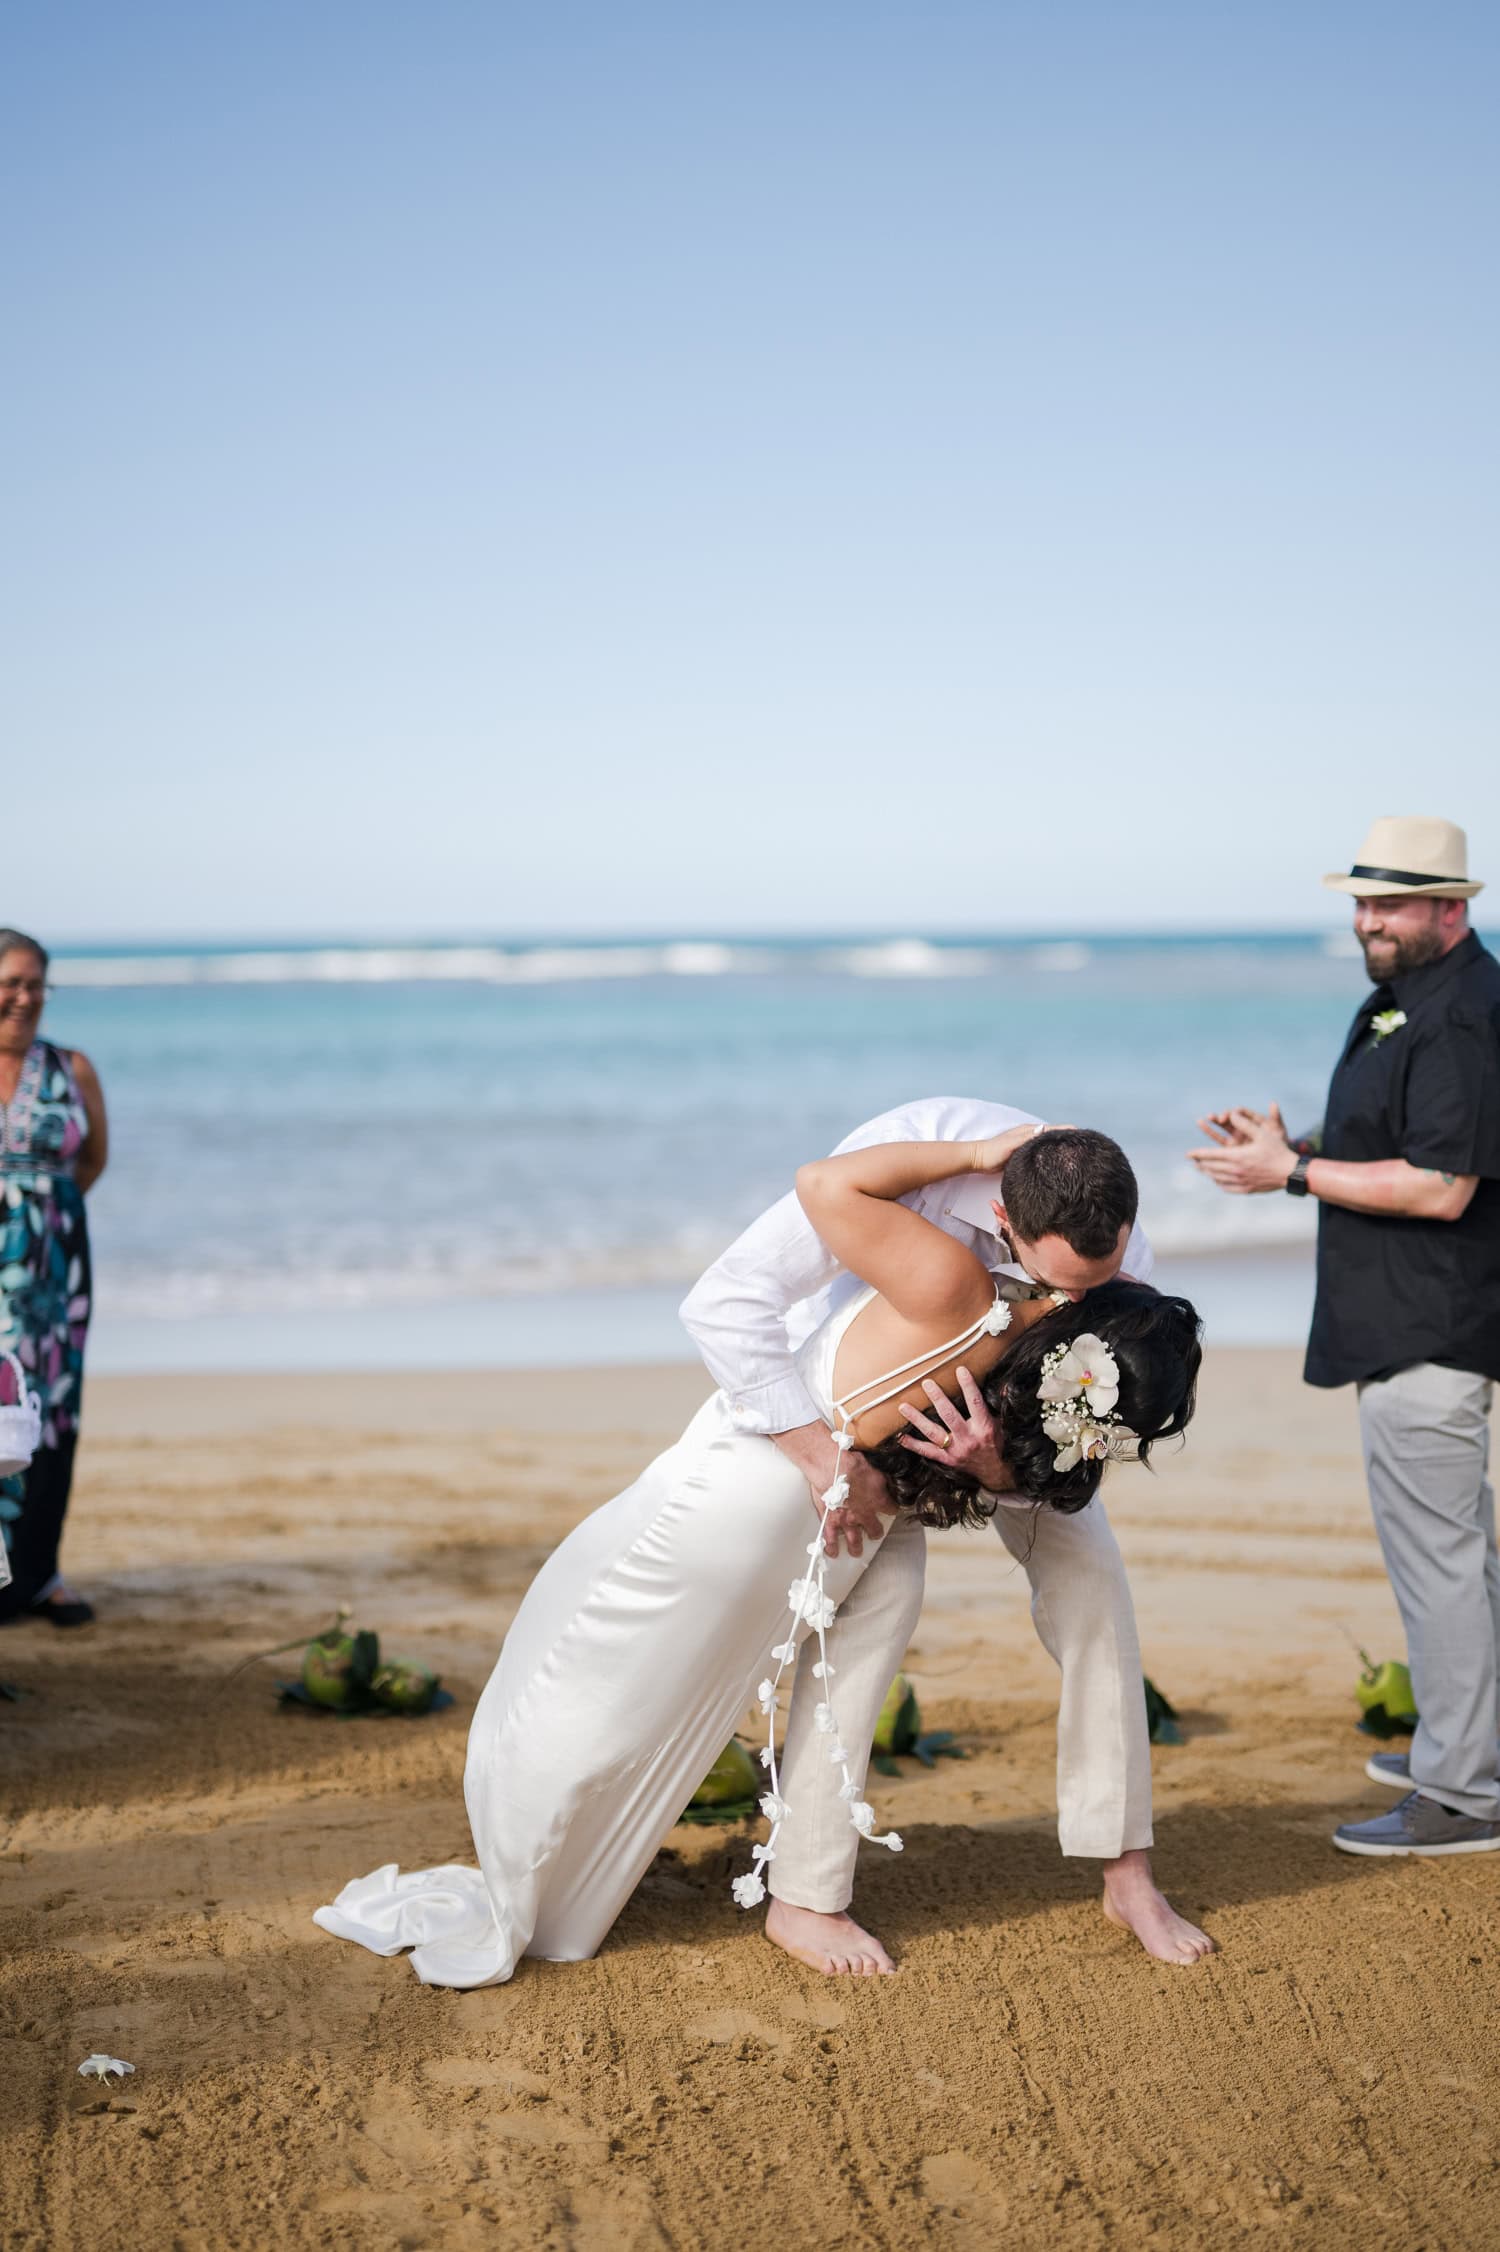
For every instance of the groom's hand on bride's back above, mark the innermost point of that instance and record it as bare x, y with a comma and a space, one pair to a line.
811, 1447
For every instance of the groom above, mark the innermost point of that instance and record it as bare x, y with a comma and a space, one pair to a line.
1068, 1223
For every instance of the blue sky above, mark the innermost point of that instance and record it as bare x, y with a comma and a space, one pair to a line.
480, 467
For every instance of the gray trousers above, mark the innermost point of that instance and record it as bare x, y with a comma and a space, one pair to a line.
1426, 1443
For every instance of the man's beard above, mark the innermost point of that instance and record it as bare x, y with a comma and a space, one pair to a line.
1398, 955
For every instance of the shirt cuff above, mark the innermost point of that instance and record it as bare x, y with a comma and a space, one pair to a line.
783, 1404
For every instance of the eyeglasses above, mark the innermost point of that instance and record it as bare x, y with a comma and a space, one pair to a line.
23, 988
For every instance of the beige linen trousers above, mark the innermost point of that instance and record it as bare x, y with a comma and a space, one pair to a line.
1082, 1610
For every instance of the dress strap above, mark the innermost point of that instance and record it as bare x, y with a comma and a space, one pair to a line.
995, 1318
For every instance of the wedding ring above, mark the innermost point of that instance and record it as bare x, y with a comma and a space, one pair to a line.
946, 1440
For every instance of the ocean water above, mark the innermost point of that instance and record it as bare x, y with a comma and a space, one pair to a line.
373, 1154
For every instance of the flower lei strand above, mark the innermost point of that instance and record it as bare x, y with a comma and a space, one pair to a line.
808, 1599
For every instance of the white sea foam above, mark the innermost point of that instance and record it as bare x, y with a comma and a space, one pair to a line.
397, 965
1066, 955
910, 957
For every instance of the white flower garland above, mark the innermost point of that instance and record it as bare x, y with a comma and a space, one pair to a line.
810, 1603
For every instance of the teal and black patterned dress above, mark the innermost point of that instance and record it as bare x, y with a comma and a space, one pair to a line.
46, 1293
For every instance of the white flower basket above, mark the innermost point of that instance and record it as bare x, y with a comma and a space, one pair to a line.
20, 1425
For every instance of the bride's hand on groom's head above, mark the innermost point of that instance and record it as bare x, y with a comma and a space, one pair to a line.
994, 1152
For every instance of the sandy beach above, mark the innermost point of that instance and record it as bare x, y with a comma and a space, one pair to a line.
1029, 2078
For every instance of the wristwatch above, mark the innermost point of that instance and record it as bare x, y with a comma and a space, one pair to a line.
1296, 1180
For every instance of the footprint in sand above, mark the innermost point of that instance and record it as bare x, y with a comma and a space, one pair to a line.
722, 2026
955, 2183
527, 2110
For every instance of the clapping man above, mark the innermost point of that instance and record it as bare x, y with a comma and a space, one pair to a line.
1406, 1172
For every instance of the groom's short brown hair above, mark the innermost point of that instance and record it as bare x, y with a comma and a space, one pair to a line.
1074, 1183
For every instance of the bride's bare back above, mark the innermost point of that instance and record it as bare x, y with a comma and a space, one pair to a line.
880, 1339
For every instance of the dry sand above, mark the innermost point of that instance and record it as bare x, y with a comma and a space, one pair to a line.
1029, 2079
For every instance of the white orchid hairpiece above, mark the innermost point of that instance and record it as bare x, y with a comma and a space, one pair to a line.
1079, 1388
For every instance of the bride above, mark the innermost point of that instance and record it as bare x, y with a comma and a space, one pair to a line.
643, 1638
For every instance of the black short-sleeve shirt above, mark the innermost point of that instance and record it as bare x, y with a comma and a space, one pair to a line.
1395, 1291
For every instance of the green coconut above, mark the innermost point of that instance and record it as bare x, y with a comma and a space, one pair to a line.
898, 1732
730, 1791
404, 1686
1385, 1699
338, 1667
900, 1720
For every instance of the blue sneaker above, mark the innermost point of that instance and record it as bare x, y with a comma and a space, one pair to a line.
1419, 1825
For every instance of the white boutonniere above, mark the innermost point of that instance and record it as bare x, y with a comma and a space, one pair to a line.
1387, 1022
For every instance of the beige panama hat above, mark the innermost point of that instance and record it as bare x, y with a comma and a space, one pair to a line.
1410, 852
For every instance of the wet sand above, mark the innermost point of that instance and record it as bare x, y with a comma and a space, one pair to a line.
1028, 2079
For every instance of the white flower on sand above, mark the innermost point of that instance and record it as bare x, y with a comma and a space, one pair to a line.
773, 1806
806, 1600
100, 2067
1087, 1369
749, 1892
1386, 1022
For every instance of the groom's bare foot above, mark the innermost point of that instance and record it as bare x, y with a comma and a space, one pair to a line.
1131, 1899
832, 1944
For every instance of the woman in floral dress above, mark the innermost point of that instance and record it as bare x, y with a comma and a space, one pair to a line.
53, 1143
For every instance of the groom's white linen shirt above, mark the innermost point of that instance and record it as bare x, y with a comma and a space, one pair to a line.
764, 1297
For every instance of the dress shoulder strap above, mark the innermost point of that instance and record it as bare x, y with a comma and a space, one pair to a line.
991, 1323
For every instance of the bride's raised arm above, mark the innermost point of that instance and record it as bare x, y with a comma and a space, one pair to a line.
852, 1202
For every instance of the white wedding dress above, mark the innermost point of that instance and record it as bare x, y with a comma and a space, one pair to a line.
628, 1666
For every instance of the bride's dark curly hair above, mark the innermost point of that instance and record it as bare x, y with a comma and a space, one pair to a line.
1154, 1340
